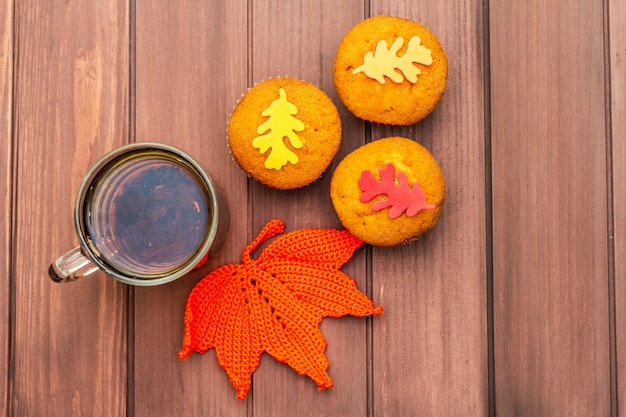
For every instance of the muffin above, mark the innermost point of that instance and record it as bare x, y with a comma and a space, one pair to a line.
284, 132
390, 70
388, 192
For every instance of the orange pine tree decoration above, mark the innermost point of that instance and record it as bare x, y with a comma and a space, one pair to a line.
275, 304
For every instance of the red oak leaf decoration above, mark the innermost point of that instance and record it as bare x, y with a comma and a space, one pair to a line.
400, 197
275, 303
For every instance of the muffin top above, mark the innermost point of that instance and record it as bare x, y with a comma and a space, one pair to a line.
388, 192
284, 132
390, 70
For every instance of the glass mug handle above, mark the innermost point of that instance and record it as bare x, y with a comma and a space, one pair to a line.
71, 266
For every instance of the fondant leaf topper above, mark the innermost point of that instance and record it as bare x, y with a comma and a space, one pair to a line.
400, 197
280, 125
275, 304
384, 62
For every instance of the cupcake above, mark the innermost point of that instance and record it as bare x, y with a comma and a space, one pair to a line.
284, 132
390, 70
388, 192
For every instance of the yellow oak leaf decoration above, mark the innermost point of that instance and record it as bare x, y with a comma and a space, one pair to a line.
280, 125
384, 62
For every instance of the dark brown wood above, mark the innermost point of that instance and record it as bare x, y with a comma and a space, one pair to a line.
549, 209
513, 305
71, 106
432, 338
191, 67
6, 187
299, 39
617, 94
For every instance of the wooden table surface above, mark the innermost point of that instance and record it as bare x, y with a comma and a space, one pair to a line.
513, 305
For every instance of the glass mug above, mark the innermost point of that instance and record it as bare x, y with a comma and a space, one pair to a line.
145, 214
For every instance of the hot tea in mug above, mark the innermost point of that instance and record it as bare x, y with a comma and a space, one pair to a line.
145, 214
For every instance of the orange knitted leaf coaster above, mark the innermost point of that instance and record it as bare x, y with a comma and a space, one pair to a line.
275, 303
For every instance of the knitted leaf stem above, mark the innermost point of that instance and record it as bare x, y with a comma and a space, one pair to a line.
275, 304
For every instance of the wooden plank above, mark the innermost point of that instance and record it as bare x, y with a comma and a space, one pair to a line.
6, 187
71, 106
299, 39
617, 61
190, 68
550, 274
430, 345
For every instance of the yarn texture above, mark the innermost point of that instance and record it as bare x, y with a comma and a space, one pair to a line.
275, 304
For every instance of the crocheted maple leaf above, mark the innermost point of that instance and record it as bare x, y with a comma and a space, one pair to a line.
400, 197
275, 303
384, 62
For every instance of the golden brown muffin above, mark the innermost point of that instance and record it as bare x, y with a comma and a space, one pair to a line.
284, 132
379, 81
388, 192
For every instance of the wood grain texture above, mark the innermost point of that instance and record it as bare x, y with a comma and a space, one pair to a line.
617, 61
6, 196
549, 209
70, 107
190, 69
534, 225
299, 39
430, 345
